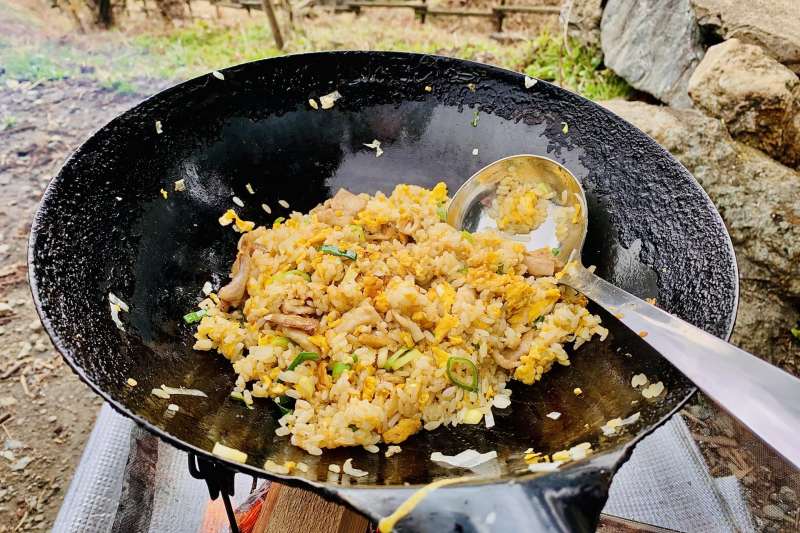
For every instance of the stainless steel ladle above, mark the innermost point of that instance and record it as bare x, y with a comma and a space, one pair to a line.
763, 397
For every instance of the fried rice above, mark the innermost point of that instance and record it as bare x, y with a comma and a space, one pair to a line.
377, 319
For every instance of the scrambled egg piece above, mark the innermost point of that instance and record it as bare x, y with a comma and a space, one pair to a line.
404, 429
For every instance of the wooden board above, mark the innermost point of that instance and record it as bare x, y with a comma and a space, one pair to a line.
291, 510
288, 509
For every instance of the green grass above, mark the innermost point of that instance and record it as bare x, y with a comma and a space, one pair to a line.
122, 65
576, 68
202, 47
29, 64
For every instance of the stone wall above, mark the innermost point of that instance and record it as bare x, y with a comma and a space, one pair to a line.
727, 71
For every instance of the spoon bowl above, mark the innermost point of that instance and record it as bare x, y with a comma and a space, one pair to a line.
560, 199
761, 396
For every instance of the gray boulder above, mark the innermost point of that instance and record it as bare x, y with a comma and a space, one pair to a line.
583, 20
758, 200
654, 44
772, 24
757, 97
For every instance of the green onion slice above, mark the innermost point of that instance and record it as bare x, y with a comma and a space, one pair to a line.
467, 235
236, 395
473, 370
194, 316
406, 358
338, 367
401, 357
285, 405
283, 342
358, 230
394, 357
334, 250
555, 251
441, 211
305, 275
301, 357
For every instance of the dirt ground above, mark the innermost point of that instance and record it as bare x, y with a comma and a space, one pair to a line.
46, 414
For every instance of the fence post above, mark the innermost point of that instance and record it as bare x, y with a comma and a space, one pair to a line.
273, 23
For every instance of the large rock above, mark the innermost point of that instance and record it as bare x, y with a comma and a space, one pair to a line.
771, 24
757, 97
654, 44
582, 18
758, 199
763, 326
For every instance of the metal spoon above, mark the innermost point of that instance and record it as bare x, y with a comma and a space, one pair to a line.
763, 397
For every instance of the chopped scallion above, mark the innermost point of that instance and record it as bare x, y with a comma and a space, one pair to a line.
283, 342
406, 358
555, 251
278, 221
401, 358
194, 316
302, 357
394, 357
338, 368
467, 235
441, 212
300, 273
285, 405
358, 230
471, 368
237, 395
334, 250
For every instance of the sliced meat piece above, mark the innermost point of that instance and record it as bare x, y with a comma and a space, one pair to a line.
295, 307
509, 359
540, 262
409, 325
233, 292
300, 338
340, 210
363, 314
293, 321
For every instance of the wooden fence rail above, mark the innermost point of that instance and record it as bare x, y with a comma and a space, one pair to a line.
422, 10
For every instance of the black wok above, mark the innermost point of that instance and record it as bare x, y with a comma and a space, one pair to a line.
103, 226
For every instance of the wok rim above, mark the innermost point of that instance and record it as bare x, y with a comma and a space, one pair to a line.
617, 455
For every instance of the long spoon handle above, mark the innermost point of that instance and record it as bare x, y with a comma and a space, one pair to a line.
763, 397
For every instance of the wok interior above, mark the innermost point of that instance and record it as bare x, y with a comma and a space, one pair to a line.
105, 227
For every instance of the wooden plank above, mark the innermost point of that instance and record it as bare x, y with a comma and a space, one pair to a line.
286, 509
459, 13
615, 524
411, 5
292, 510
266, 5
542, 10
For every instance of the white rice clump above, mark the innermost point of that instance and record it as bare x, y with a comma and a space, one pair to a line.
421, 325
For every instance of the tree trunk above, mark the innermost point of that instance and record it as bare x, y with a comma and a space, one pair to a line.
171, 9
105, 14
